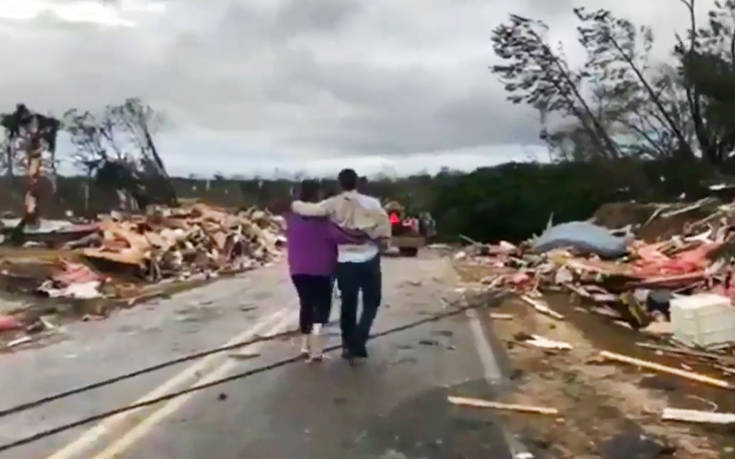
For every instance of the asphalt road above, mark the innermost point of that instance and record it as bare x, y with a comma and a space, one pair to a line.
392, 406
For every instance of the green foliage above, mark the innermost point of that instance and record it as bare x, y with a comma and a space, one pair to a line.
510, 201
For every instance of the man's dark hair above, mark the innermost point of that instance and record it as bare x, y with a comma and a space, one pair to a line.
347, 179
309, 191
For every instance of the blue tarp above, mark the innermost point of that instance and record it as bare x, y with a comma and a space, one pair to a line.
584, 237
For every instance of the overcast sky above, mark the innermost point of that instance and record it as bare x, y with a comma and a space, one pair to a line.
248, 86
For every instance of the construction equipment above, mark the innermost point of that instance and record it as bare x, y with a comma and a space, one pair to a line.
409, 234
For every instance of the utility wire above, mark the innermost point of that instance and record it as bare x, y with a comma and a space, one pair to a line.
242, 375
68, 393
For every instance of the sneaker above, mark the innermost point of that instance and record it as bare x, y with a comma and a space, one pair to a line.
305, 345
316, 343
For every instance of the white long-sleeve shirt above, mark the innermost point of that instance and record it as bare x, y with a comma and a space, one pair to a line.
356, 211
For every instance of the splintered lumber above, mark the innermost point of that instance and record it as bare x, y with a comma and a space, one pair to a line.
479, 403
541, 307
730, 371
499, 316
704, 417
546, 343
469, 240
664, 369
688, 352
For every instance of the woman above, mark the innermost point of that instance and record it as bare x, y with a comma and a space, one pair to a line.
312, 259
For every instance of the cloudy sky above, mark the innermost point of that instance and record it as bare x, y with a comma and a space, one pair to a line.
251, 86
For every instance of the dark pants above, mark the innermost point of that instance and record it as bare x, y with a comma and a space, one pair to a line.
315, 296
353, 278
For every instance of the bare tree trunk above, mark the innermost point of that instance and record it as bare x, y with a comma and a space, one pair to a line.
599, 130
654, 98
161, 167
31, 214
35, 156
693, 97
154, 152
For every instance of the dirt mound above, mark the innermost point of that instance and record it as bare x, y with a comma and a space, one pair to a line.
654, 222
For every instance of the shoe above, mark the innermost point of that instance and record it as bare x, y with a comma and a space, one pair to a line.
316, 343
346, 354
305, 345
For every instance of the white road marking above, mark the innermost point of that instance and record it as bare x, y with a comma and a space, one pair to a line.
147, 424
492, 374
91, 436
485, 352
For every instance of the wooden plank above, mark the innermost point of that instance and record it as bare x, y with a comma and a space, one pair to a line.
541, 307
689, 352
546, 343
703, 417
664, 369
479, 403
499, 316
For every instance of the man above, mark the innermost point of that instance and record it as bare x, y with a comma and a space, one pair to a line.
358, 268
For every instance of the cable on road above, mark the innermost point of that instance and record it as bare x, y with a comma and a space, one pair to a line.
242, 375
142, 371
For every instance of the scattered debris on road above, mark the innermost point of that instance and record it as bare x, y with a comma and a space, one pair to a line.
546, 343
19, 341
92, 317
541, 307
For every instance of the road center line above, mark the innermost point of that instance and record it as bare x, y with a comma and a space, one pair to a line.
88, 438
146, 425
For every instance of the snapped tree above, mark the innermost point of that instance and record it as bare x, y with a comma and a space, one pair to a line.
35, 134
537, 75
707, 62
620, 104
117, 148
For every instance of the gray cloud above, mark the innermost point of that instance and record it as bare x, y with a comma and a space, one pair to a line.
291, 80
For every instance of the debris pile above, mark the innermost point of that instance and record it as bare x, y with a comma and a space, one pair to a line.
635, 285
190, 242
73, 280
184, 241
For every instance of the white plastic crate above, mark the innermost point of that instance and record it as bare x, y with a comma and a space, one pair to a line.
704, 320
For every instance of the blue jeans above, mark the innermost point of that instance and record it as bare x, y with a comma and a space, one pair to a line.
353, 278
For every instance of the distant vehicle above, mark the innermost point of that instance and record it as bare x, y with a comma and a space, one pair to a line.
409, 234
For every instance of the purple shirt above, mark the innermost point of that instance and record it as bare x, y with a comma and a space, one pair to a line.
312, 244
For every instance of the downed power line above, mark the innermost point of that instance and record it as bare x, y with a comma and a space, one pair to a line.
242, 375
